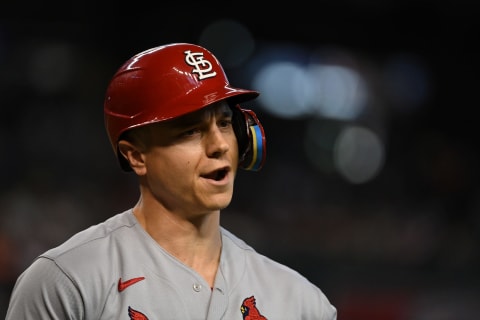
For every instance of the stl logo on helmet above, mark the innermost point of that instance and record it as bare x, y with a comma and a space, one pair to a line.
200, 65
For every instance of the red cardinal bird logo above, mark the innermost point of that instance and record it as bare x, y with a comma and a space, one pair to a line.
249, 310
136, 315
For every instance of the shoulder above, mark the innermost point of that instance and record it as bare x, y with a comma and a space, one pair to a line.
99, 244
237, 250
269, 280
94, 233
42, 281
80, 271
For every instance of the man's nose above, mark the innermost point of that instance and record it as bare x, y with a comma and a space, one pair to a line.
217, 144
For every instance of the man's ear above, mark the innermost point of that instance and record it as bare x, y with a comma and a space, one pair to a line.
133, 155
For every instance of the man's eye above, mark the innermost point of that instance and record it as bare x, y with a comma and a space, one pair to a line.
225, 123
190, 132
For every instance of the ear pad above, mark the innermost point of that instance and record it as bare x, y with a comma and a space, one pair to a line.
250, 137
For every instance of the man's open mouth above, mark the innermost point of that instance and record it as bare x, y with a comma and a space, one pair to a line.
216, 175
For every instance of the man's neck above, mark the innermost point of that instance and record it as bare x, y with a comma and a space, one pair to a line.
196, 243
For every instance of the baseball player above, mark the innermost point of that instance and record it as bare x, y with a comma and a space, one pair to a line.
175, 122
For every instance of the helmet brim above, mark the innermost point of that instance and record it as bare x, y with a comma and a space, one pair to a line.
184, 106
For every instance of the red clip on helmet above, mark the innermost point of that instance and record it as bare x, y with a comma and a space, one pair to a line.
170, 81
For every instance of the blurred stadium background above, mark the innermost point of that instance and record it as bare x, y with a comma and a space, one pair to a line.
371, 185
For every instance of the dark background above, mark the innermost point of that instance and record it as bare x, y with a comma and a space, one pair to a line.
402, 246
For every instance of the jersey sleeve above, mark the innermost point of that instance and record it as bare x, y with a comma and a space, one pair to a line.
43, 291
317, 305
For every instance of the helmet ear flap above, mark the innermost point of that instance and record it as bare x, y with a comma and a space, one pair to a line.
251, 139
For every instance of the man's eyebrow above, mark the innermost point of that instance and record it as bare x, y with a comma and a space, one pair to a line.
193, 119
184, 123
226, 111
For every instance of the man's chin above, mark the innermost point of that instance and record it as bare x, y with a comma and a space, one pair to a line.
220, 202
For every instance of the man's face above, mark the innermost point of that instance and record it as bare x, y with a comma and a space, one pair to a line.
192, 163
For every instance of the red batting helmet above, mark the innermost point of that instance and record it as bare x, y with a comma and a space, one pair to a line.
172, 80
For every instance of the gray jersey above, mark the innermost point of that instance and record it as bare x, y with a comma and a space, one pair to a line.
115, 270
